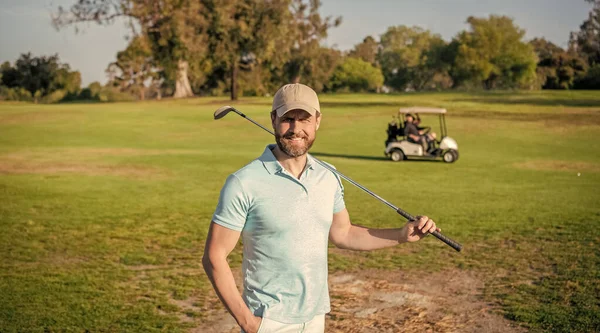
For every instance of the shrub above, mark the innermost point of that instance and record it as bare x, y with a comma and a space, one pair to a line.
15, 94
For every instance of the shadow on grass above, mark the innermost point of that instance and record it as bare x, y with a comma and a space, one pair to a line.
356, 157
370, 158
341, 104
533, 101
555, 119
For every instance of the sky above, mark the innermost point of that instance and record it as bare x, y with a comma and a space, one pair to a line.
25, 26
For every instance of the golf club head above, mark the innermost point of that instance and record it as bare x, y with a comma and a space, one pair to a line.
223, 111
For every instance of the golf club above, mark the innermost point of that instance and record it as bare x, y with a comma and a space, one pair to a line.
224, 110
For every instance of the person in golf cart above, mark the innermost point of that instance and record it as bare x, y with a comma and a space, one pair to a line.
413, 135
422, 129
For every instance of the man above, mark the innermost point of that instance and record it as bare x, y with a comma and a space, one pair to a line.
422, 129
286, 207
412, 134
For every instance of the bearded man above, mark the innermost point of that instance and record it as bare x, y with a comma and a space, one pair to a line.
286, 207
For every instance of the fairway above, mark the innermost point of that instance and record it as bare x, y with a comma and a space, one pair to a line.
104, 208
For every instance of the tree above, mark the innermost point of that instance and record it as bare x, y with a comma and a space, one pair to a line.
175, 30
67, 80
8, 75
205, 40
586, 42
245, 34
307, 56
40, 75
411, 57
32, 73
545, 49
134, 67
356, 75
317, 71
557, 68
492, 53
591, 79
366, 51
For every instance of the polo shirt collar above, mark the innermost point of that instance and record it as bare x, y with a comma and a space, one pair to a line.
273, 166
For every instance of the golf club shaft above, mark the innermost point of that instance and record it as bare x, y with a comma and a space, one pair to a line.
400, 211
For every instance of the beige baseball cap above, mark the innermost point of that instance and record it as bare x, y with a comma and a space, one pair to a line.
295, 96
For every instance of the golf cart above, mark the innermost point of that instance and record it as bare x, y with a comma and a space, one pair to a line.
398, 147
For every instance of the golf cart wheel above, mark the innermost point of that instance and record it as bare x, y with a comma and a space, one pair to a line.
455, 152
449, 156
397, 155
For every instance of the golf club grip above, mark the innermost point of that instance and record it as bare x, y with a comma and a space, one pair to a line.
447, 240
437, 234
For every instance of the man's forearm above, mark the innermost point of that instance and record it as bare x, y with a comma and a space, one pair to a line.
365, 239
221, 277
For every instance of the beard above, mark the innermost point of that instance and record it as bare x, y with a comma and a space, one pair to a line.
294, 148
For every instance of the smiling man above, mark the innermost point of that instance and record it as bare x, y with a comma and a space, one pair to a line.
286, 207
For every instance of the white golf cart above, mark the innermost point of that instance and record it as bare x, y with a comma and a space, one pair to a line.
398, 147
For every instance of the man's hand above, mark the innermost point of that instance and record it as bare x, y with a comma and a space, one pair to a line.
415, 230
253, 325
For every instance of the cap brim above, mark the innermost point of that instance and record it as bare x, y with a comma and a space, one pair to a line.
295, 106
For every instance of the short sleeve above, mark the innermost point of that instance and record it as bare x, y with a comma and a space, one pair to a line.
233, 205
338, 201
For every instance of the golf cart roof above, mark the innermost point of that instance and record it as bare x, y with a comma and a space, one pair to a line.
416, 109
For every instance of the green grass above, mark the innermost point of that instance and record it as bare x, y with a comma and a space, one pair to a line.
105, 207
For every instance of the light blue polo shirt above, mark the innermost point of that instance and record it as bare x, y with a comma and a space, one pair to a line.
285, 224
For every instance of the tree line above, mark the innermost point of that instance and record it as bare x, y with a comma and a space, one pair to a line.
182, 48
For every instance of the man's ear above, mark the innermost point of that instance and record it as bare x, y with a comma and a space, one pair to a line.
318, 120
273, 116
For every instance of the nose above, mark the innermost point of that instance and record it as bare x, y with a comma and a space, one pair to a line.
294, 127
